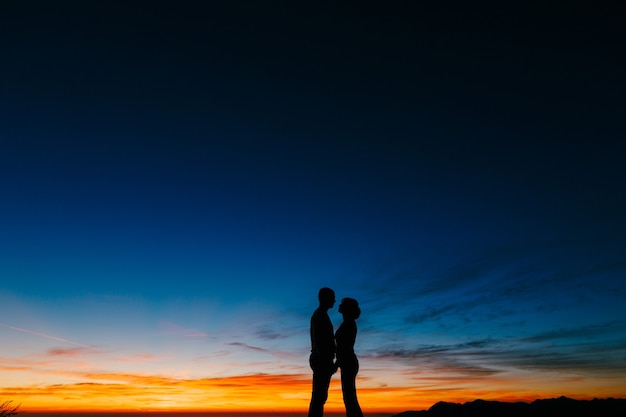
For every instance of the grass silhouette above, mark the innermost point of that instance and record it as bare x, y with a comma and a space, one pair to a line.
6, 409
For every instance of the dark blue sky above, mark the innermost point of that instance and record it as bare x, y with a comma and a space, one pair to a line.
457, 168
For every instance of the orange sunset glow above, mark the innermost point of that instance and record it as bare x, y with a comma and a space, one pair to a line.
276, 393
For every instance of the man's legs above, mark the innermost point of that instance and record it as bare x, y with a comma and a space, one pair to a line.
321, 382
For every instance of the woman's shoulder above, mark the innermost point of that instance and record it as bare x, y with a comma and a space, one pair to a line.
348, 325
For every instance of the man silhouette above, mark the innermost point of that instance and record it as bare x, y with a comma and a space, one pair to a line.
322, 351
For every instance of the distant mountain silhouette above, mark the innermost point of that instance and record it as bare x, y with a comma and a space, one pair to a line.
553, 407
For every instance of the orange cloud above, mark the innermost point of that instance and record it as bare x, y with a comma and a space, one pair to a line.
72, 352
119, 391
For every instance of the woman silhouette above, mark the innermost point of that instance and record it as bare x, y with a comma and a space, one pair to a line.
346, 358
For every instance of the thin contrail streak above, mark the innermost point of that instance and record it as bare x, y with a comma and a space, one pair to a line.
58, 339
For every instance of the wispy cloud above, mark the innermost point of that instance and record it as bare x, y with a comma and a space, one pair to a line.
47, 336
587, 332
458, 359
270, 334
591, 350
520, 269
248, 347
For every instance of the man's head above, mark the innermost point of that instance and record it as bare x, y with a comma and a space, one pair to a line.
326, 297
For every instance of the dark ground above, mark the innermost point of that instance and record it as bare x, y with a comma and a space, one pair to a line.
554, 407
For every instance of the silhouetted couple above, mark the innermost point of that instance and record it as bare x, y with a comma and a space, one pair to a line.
324, 346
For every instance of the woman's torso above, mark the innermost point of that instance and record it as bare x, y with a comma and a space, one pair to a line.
345, 338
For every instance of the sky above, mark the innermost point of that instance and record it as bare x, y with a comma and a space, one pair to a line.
180, 178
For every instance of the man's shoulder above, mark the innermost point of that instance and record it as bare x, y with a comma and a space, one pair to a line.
319, 313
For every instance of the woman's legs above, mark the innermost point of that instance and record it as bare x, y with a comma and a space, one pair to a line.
348, 387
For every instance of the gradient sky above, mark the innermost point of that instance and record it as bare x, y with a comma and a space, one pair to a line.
179, 179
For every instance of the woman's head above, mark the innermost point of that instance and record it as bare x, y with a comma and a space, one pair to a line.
349, 307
